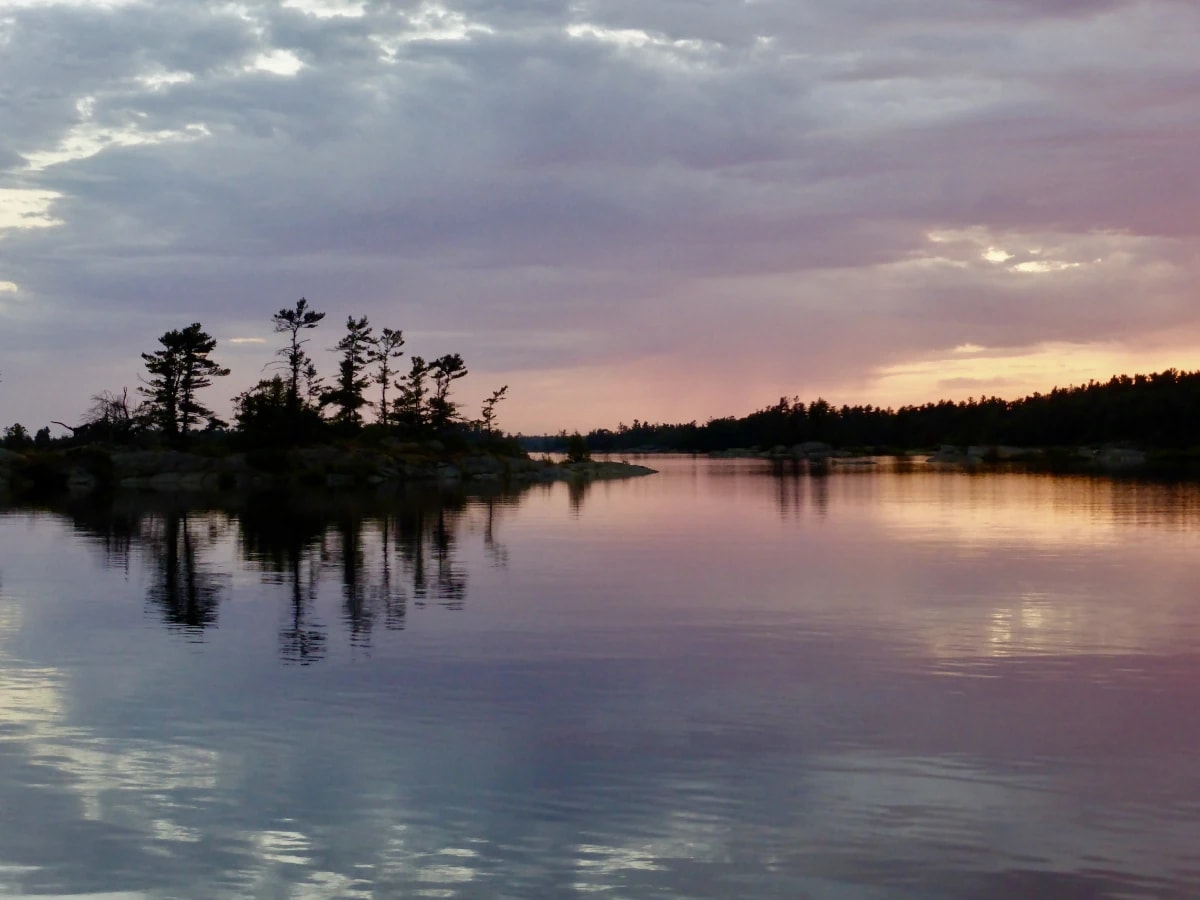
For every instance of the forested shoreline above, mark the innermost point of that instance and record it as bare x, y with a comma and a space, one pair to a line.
1159, 412
297, 406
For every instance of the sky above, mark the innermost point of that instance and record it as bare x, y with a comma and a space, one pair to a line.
621, 209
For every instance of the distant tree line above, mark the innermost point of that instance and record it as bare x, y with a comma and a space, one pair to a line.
293, 406
1158, 411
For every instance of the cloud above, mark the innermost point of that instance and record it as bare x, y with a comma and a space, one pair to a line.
24, 208
609, 184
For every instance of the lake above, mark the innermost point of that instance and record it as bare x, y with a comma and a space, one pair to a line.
731, 679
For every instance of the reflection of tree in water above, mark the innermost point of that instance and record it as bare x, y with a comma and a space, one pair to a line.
283, 541
358, 612
426, 542
386, 595
799, 483
172, 539
450, 582
366, 590
577, 491
790, 486
184, 590
820, 483
384, 552
497, 552
113, 529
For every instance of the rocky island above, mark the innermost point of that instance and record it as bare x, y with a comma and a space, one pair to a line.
94, 469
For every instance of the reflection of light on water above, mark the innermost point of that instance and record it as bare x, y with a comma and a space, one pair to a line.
448, 873
978, 512
30, 696
100, 767
11, 878
33, 713
327, 886
401, 861
170, 831
598, 860
445, 874
1028, 626
1040, 624
283, 847
679, 835
1021, 564
278, 854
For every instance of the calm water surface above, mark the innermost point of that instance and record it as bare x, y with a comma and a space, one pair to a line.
720, 681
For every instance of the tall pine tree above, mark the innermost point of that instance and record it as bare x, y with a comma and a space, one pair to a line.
177, 372
348, 394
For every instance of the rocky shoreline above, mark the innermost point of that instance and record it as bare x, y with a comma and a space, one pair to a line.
88, 470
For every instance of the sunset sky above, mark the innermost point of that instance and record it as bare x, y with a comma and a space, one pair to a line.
661, 209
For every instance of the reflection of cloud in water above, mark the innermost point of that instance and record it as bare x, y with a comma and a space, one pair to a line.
31, 696
122, 782
34, 712
808, 738
671, 836
289, 847
151, 798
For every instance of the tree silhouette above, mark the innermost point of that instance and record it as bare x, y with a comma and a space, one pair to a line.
577, 448
109, 418
16, 437
265, 416
177, 372
410, 406
348, 394
1159, 411
382, 352
291, 322
489, 410
110, 414
445, 371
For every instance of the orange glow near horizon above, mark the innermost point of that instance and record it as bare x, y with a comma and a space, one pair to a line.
979, 372
603, 397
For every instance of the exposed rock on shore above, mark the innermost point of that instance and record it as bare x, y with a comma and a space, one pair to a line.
339, 468
590, 470
1106, 458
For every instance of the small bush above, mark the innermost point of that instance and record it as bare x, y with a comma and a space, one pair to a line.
577, 449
